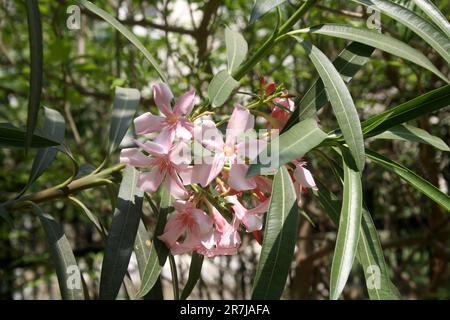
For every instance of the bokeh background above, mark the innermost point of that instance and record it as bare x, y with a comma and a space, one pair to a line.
81, 69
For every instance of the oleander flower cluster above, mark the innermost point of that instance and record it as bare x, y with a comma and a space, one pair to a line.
205, 171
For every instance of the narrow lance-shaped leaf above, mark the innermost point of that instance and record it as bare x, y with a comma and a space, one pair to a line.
261, 7
369, 251
142, 247
435, 15
54, 128
125, 32
236, 49
347, 63
159, 251
433, 36
126, 101
36, 68
280, 236
349, 229
410, 110
412, 178
122, 234
376, 40
291, 145
67, 270
341, 102
220, 88
142, 250
413, 134
94, 219
13, 137
195, 270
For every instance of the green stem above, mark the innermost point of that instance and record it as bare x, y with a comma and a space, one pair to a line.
264, 49
87, 182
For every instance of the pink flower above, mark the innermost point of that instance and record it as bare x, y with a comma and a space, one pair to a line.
303, 180
164, 164
226, 239
173, 122
250, 218
281, 111
233, 151
192, 225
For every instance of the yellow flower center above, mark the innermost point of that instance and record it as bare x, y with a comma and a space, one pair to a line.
172, 119
228, 150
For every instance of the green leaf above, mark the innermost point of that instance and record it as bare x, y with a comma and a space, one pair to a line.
341, 102
280, 236
126, 101
54, 128
67, 270
289, 146
433, 36
370, 255
195, 270
142, 247
410, 110
412, 178
36, 58
261, 7
376, 40
220, 88
13, 137
369, 251
414, 134
122, 234
348, 232
92, 217
159, 251
434, 14
125, 32
236, 49
347, 63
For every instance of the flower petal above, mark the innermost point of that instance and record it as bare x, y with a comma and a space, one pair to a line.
260, 208
166, 138
185, 103
204, 222
175, 186
148, 123
209, 136
154, 148
150, 181
237, 179
134, 157
204, 173
163, 96
252, 222
239, 210
241, 120
180, 154
173, 230
304, 177
183, 132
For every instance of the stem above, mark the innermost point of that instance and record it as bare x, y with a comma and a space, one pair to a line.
263, 50
83, 183
253, 105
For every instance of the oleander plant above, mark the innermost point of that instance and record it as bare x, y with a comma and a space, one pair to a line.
267, 149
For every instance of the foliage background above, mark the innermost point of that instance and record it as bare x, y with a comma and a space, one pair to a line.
81, 69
